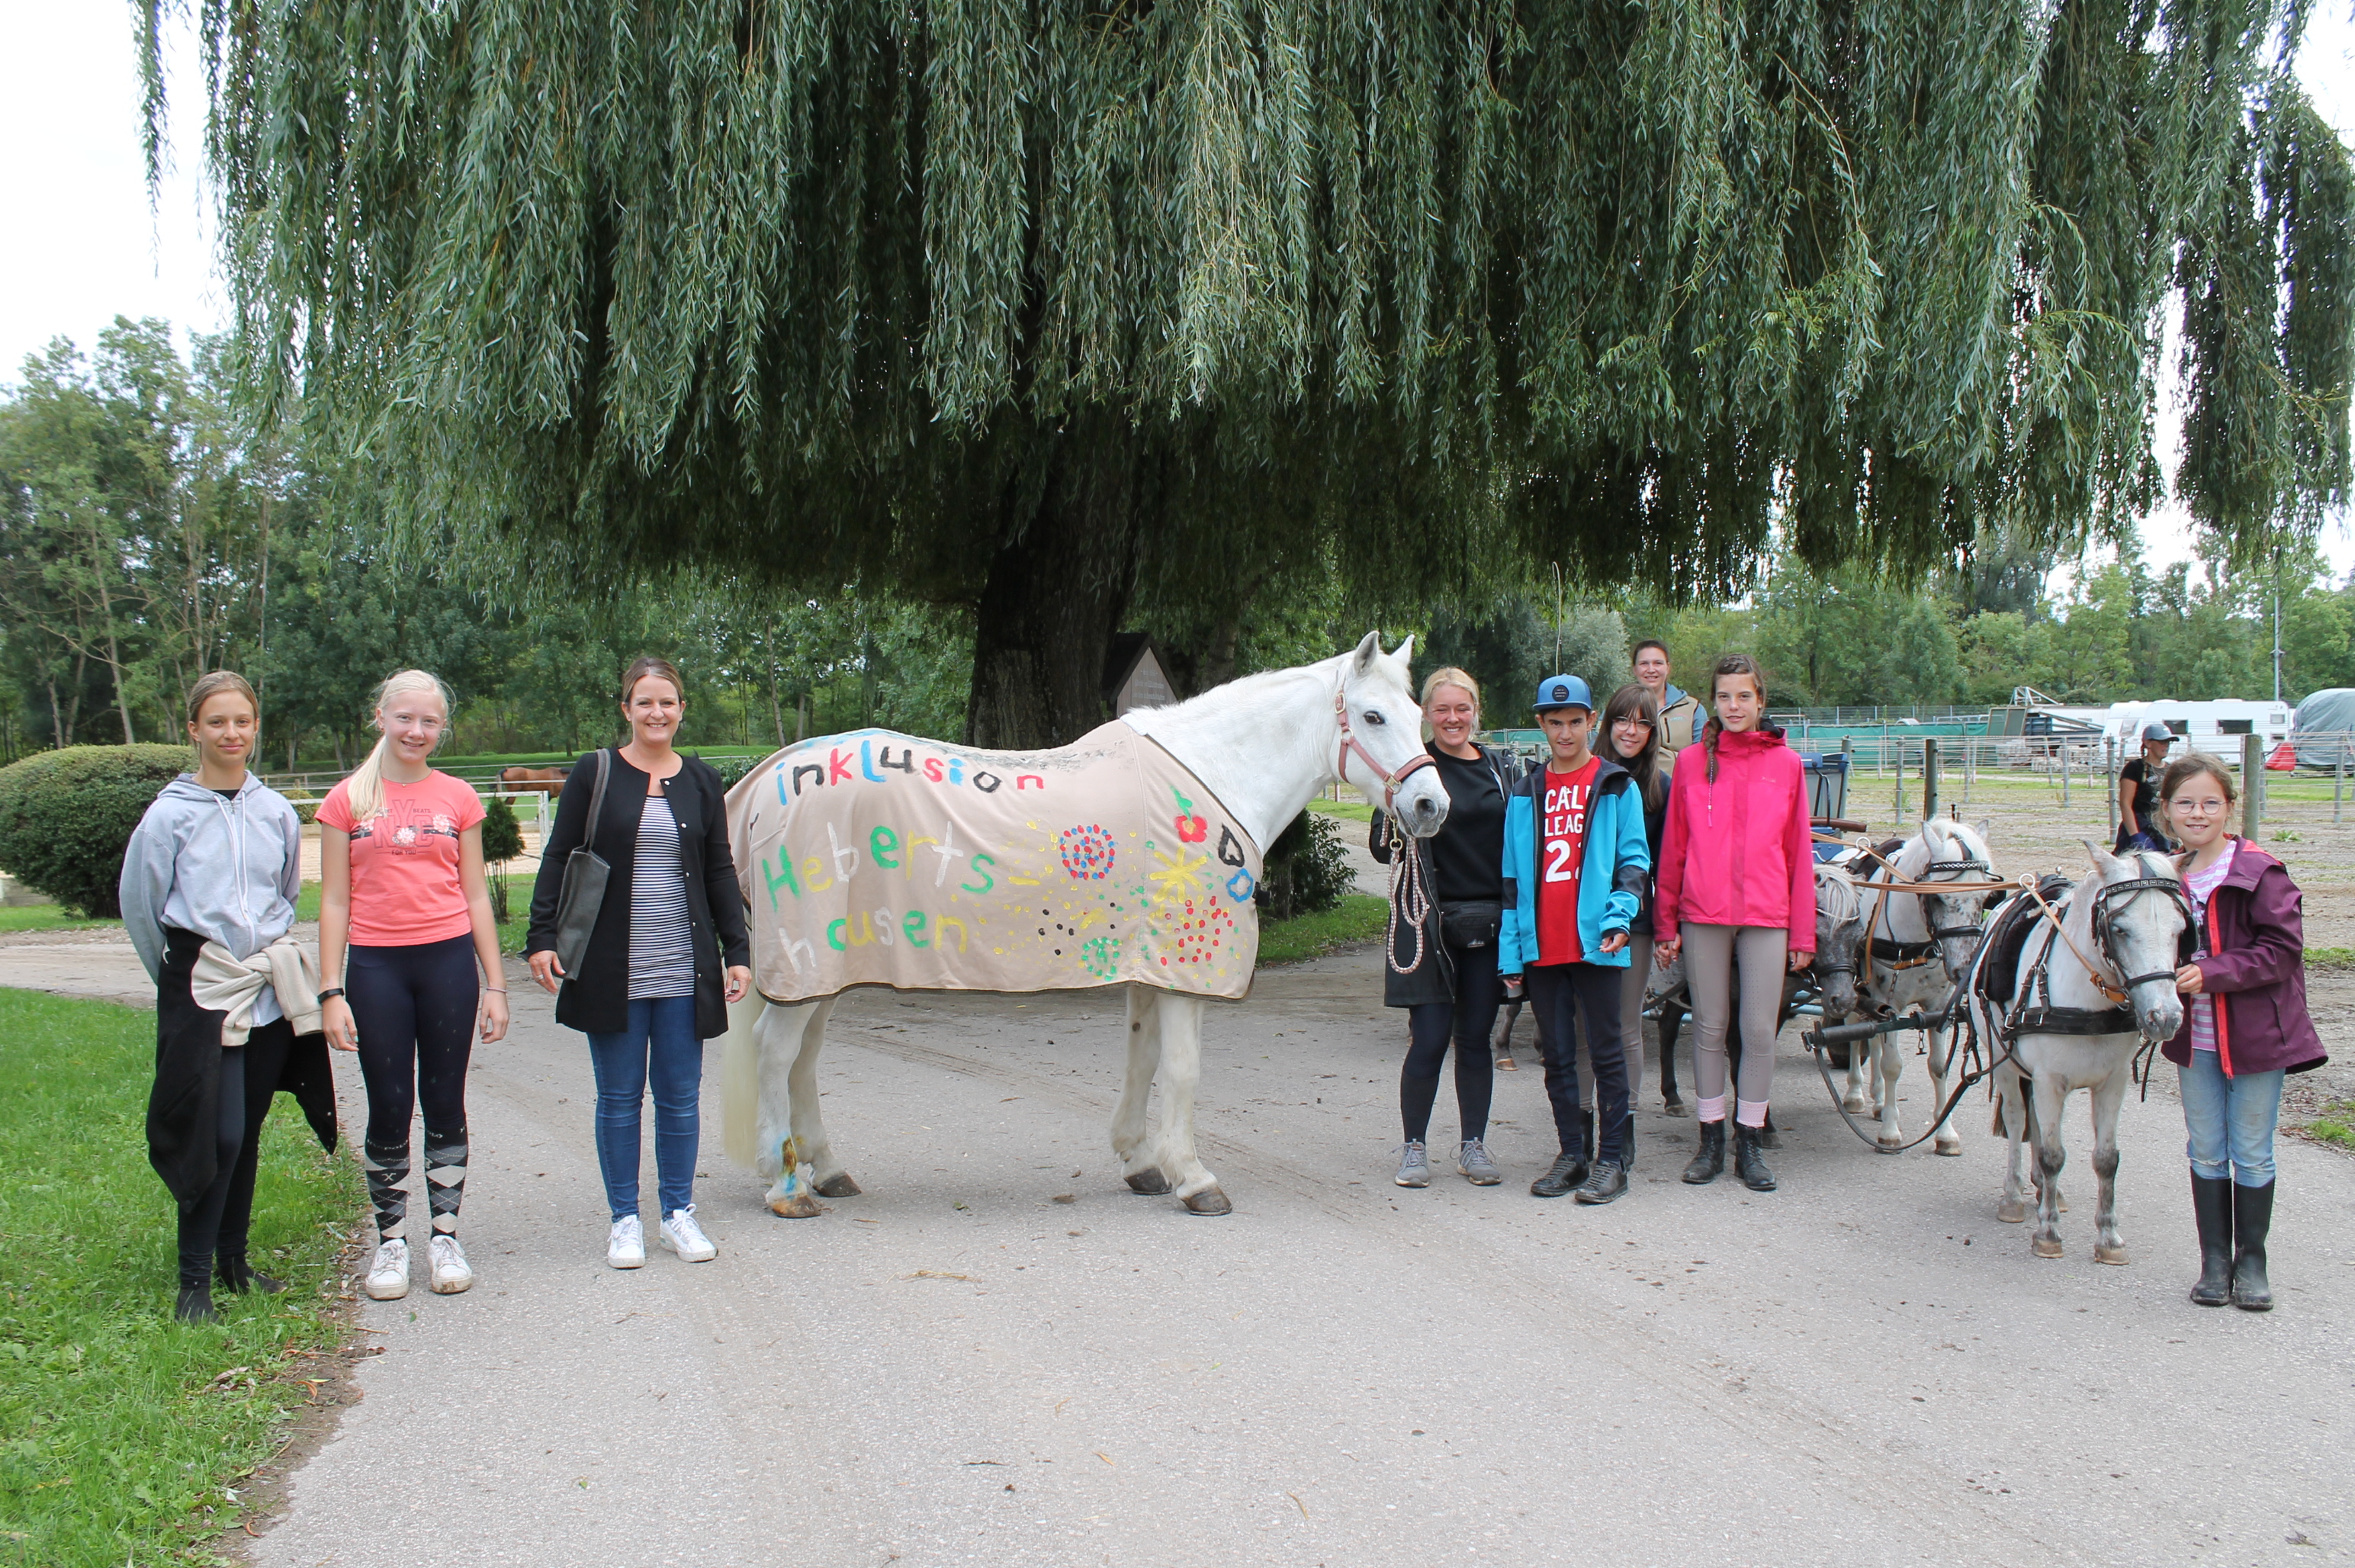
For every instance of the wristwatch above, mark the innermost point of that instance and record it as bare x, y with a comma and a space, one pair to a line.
330, 993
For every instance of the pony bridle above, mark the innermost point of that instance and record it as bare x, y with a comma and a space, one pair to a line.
1955, 869
2109, 903
1349, 742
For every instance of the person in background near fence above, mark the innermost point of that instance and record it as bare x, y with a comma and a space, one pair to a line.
208, 887
1575, 863
650, 990
1679, 717
1737, 882
2246, 1026
1628, 722
411, 958
2140, 823
1449, 986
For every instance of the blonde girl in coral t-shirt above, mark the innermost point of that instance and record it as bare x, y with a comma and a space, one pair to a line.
411, 959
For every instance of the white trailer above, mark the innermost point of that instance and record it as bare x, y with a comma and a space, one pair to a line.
2212, 727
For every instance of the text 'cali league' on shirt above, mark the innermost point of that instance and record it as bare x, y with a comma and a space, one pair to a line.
1568, 797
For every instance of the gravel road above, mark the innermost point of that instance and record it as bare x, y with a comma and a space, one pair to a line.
998, 1355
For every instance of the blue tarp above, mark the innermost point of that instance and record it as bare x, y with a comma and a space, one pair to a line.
2328, 718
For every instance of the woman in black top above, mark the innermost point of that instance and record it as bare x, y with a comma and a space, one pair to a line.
1630, 719
2140, 825
1452, 992
651, 987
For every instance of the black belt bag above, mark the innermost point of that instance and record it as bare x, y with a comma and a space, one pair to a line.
1472, 924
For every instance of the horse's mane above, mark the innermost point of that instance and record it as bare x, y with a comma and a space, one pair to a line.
1238, 691
1836, 887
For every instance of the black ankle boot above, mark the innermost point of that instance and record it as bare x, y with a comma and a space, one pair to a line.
1708, 1162
2252, 1216
2211, 1206
195, 1304
1767, 1137
1748, 1163
235, 1274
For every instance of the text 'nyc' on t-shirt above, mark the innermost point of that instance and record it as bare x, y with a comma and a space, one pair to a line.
1559, 854
405, 887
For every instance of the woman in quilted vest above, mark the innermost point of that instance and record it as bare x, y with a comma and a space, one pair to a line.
2245, 1027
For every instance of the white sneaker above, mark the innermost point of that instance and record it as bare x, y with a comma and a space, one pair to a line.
626, 1247
682, 1235
387, 1275
452, 1272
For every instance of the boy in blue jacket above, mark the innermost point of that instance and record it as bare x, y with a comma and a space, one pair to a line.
1575, 861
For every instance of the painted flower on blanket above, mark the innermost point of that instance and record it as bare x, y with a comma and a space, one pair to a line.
1088, 852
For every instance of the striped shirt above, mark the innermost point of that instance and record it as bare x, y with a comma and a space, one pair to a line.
662, 938
2199, 885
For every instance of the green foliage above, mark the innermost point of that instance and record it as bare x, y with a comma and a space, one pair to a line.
1357, 917
123, 1430
1305, 870
1043, 310
67, 817
502, 834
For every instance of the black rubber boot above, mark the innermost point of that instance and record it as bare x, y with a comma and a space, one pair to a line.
1708, 1160
195, 1304
2211, 1206
2252, 1216
1569, 1171
1748, 1163
235, 1274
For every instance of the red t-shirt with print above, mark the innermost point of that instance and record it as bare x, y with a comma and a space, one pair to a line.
1561, 850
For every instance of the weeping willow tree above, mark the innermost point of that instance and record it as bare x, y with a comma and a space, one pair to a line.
1048, 306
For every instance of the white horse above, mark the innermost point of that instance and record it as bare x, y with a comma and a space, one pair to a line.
1921, 946
1262, 745
2087, 993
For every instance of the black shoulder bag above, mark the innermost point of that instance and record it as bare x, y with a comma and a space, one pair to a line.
585, 875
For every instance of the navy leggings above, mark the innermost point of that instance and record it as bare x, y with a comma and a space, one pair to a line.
415, 1009
216, 1222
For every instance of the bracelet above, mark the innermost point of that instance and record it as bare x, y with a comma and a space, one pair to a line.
331, 993
495, 990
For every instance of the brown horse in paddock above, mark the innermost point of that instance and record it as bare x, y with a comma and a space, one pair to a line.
549, 781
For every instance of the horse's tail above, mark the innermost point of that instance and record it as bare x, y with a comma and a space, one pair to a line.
740, 1081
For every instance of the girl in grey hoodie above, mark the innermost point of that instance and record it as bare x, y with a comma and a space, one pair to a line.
216, 863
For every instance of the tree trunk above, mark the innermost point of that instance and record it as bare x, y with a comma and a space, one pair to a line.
57, 714
1056, 591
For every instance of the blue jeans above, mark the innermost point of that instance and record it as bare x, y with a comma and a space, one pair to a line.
2231, 1120
660, 1044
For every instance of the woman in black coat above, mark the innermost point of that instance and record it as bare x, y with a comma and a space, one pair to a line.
1452, 993
651, 988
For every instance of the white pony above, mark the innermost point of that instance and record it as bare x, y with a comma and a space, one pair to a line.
2085, 995
1920, 948
1262, 745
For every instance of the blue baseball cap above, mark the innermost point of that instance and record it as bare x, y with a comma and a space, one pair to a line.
1563, 691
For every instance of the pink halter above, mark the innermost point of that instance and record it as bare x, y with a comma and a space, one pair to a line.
1349, 742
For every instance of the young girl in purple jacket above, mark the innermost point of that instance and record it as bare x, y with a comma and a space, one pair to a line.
2245, 1025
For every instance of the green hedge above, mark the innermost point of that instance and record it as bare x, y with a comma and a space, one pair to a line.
67, 816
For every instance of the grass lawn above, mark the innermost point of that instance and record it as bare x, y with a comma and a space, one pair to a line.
46, 917
122, 1433
2336, 1125
1358, 917
1353, 810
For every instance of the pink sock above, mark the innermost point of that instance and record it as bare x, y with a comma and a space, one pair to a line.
1712, 1108
1752, 1114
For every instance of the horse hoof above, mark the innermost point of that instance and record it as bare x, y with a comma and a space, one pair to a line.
1889, 1145
1149, 1181
839, 1184
797, 1206
2011, 1214
1951, 1150
2112, 1255
1210, 1200
1672, 1106
1854, 1104
2048, 1249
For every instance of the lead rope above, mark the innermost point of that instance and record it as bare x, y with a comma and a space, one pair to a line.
1408, 894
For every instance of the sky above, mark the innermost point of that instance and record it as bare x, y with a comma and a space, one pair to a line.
86, 245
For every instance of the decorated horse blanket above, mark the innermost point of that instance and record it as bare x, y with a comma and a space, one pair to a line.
875, 858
